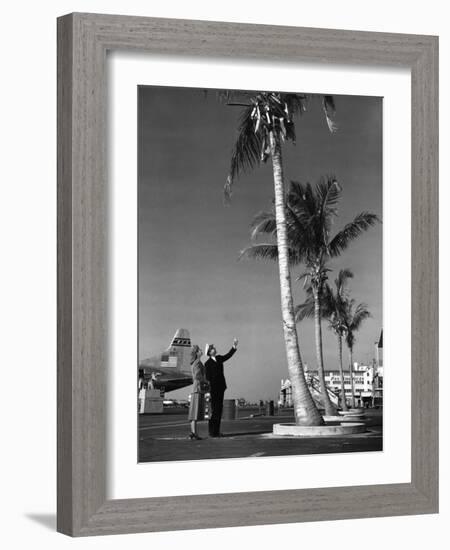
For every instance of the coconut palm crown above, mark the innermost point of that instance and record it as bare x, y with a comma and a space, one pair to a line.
265, 113
310, 213
356, 315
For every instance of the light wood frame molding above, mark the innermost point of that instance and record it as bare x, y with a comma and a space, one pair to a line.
83, 41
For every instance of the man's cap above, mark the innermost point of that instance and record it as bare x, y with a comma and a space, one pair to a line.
207, 348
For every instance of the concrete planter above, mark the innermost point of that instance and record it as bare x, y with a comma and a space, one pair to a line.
351, 415
343, 428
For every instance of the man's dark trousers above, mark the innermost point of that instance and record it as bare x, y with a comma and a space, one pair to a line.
216, 379
216, 411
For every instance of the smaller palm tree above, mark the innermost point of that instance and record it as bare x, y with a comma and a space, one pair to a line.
356, 315
337, 300
310, 212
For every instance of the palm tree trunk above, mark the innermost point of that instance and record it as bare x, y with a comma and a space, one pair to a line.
341, 370
351, 377
306, 412
330, 409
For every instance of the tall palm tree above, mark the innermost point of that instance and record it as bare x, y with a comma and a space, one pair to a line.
267, 120
356, 315
336, 304
310, 212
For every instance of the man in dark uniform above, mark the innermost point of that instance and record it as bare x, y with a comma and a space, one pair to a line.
216, 379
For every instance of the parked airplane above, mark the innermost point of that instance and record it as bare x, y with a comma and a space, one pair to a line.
170, 370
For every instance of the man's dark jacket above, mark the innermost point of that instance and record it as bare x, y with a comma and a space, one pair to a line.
214, 371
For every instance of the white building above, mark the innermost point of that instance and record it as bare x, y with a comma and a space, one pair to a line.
363, 382
367, 383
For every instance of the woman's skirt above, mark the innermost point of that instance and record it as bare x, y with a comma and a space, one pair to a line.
197, 406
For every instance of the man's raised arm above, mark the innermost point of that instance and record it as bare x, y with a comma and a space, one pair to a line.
231, 352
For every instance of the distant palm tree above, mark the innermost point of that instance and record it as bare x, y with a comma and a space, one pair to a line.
356, 315
337, 306
268, 120
310, 212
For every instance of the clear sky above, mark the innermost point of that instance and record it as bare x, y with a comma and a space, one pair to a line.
189, 242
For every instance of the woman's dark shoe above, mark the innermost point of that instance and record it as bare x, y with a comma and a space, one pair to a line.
194, 436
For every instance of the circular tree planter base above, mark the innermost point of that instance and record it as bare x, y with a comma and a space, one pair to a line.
351, 415
336, 428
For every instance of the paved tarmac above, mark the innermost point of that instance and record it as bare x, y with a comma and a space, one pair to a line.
165, 437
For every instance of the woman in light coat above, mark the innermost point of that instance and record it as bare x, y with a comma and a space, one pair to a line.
199, 389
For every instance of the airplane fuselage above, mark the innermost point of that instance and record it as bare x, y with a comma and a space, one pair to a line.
170, 370
166, 380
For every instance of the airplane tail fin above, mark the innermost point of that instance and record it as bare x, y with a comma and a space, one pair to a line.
181, 338
181, 346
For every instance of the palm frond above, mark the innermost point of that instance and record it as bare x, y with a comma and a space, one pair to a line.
327, 301
350, 339
304, 310
306, 278
261, 251
295, 104
302, 276
297, 227
337, 301
302, 199
268, 251
330, 111
351, 231
264, 223
246, 152
328, 192
355, 317
296, 199
310, 199
360, 314
342, 278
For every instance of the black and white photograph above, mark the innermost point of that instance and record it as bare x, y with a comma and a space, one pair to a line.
260, 276
221, 262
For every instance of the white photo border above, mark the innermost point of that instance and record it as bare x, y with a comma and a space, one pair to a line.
126, 477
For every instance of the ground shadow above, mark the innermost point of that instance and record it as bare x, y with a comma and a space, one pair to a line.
242, 434
47, 520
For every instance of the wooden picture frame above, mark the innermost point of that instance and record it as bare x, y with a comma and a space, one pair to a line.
83, 40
